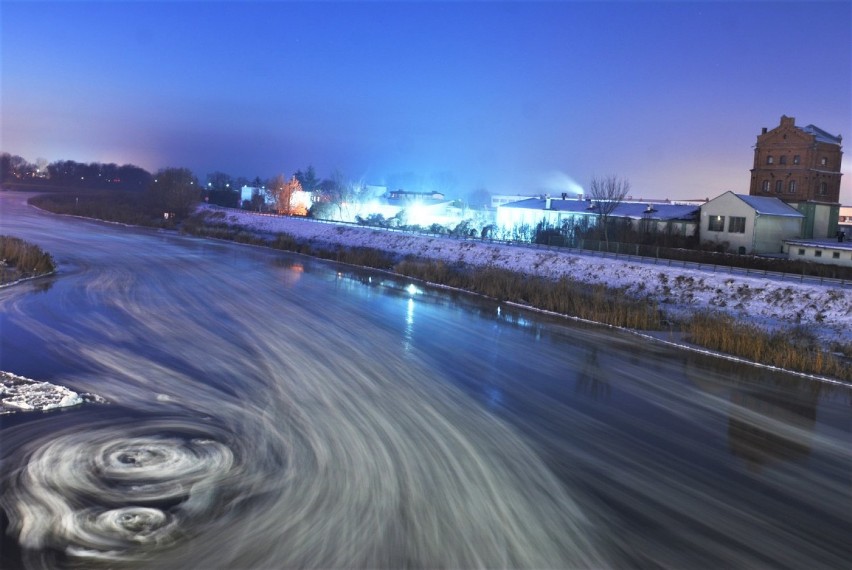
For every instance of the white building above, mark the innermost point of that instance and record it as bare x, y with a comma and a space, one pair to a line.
740, 223
827, 251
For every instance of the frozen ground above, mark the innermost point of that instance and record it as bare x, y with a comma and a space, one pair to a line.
824, 310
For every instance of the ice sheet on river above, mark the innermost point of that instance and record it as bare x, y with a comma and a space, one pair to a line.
18, 393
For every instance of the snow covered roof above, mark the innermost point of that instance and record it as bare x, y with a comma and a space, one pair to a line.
827, 243
821, 135
770, 206
638, 210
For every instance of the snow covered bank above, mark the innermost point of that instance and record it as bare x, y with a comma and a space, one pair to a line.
18, 393
824, 310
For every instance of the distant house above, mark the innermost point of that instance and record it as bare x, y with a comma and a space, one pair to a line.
498, 200
844, 219
828, 251
676, 219
740, 223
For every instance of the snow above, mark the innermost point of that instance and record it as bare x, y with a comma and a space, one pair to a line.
825, 310
18, 393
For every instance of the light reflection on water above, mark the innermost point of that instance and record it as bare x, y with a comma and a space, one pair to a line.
270, 411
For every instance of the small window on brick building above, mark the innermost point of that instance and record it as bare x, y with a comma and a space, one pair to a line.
801, 251
823, 161
796, 159
782, 160
779, 186
716, 224
818, 253
823, 188
736, 225
791, 187
835, 255
769, 159
765, 185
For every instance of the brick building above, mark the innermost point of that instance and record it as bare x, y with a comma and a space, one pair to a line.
801, 166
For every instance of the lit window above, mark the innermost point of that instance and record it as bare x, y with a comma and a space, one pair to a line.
823, 161
782, 160
766, 185
716, 224
801, 251
796, 159
791, 188
736, 225
779, 186
818, 253
823, 188
769, 159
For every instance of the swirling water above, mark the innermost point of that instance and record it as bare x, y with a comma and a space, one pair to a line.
271, 411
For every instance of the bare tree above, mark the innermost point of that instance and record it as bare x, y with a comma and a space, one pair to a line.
606, 194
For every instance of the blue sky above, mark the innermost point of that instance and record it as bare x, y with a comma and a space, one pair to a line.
507, 96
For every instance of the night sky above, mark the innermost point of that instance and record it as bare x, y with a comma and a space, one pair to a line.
510, 97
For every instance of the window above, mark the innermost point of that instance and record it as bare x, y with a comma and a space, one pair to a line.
823, 161
801, 251
779, 186
736, 225
782, 160
823, 188
769, 159
716, 224
818, 253
796, 159
791, 187
766, 185
835, 255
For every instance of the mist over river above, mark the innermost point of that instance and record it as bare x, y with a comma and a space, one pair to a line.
269, 410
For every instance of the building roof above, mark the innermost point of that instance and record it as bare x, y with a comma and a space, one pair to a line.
770, 206
821, 135
827, 243
635, 210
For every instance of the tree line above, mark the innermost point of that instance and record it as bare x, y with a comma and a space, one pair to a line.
16, 170
171, 190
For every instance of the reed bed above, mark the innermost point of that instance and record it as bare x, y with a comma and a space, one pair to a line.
22, 259
565, 296
790, 350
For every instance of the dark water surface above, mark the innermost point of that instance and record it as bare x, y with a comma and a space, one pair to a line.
269, 410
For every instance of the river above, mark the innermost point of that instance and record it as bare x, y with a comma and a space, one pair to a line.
268, 410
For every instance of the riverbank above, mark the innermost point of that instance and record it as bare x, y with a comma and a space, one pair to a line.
803, 327
824, 310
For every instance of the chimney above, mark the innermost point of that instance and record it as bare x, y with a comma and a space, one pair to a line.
547, 203
763, 131
565, 195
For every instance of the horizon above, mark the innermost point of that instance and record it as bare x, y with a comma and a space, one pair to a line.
509, 97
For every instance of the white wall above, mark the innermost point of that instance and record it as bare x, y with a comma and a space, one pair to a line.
808, 252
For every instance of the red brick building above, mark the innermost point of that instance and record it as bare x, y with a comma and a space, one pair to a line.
797, 164
801, 166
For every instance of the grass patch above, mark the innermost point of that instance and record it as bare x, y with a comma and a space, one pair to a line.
19, 259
